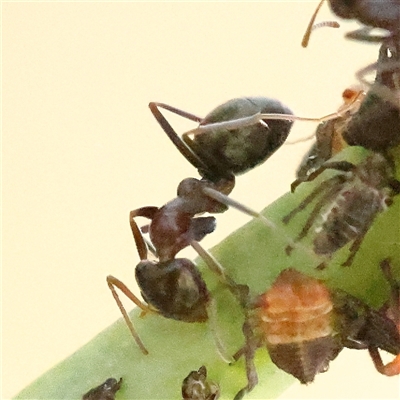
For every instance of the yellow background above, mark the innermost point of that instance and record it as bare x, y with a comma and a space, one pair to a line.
81, 149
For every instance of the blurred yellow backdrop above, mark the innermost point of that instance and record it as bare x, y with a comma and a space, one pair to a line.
81, 149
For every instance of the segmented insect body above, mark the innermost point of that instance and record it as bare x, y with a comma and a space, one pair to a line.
105, 391
304, 325
329, 139
376, 126
196, 386
348, 203
295, 320
230, 140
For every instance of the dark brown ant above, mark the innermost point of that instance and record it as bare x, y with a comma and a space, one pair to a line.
173, 287
348, 203
329, 139
196, 386
105, 391
304, 325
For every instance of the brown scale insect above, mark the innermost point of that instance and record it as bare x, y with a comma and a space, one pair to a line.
105, 391
304, 325
196, 386
348, 203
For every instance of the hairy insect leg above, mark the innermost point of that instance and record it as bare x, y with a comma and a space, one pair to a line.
174, 137
116, 283
343, 166
392, 368
248, 351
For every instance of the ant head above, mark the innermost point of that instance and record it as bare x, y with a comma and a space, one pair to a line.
175, 288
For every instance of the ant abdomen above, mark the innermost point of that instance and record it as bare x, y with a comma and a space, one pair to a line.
239, 150
181, 291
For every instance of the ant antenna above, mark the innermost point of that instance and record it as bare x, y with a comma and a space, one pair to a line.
312, 26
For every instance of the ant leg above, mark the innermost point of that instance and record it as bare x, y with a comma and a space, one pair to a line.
146, 212
247, 210
112, 284
176, 140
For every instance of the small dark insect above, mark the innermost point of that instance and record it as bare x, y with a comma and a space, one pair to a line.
329, 140
348, 203
304, 325
196, 386
105, 391
376, 125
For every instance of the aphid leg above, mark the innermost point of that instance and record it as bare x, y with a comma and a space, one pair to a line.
364, 35
241, 292
392, 368
248, 351
343, 166
356, 245
112, 284
176, 140
247, 210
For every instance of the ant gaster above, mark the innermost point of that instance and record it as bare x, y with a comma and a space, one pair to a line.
348, 203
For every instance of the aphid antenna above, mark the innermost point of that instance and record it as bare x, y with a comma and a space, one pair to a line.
228, 201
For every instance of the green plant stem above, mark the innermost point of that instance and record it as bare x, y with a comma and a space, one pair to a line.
253, 255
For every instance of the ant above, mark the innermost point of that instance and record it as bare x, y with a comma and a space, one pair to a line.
196, 386
304, 325
105, 391
354, 197
173, 287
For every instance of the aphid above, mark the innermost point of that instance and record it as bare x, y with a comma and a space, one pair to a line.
329, 140
293, 320
376, 125
105, 391
304, 325
384, 14
196, 386
348, 203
